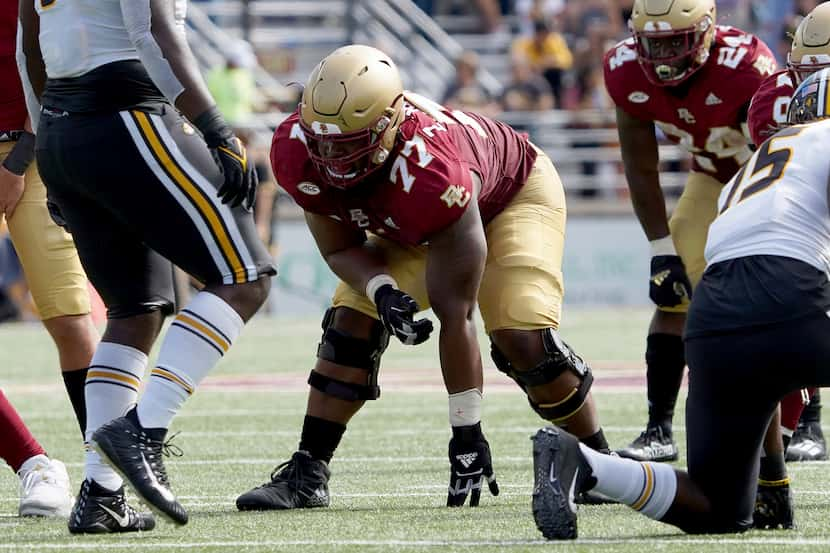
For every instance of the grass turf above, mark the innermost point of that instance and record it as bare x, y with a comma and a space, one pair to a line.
390, 474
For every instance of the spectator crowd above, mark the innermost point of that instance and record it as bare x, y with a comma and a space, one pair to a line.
557, 46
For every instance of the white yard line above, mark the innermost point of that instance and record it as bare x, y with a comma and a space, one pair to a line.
795, 468
409, 431
139, 543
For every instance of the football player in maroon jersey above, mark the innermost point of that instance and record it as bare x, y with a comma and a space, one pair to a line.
810, 52
413, 205
693, 80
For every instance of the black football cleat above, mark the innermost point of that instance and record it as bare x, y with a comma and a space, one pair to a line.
560, 473
136, 453
807, 444
773, 505
299, 483
101, 511
653, 444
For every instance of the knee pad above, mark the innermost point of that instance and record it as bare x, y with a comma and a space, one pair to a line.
559, 357
338, 347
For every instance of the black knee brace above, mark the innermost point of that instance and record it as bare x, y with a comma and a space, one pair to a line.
338, 347
559, 357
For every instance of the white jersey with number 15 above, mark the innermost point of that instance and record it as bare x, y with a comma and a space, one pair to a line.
777, 203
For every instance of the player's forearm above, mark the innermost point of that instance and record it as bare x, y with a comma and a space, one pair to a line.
356, 265
649, 204
29, 59
459, 353
159, 38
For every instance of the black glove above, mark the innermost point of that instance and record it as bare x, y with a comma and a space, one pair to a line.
470, 464
231, 158
669, 286
396, 309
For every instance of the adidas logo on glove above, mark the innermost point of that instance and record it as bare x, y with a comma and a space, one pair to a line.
467, 459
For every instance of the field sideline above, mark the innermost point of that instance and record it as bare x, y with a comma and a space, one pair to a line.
389, 477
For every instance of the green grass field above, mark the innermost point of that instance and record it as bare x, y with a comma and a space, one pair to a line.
390, 474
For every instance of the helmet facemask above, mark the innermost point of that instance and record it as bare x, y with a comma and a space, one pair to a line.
800, 71
344, 159
670, 56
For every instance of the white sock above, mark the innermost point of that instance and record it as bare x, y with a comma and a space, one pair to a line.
198, 337
646, 487
112, 384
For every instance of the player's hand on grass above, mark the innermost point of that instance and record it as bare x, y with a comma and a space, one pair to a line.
470, 466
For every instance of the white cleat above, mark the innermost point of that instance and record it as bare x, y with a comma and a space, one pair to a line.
44, 488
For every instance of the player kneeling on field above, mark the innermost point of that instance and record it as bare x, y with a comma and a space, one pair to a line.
758, 316
412, 206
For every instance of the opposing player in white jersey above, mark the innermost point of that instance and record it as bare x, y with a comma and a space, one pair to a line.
139, 188
759, 320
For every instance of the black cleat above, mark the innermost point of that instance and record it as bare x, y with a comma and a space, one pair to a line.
774, 505
807, 443
135, 452
299, 483
101, 511
560, 472
653, 444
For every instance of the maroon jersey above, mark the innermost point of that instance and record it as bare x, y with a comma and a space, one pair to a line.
12, 102
426, 185
768, 110
706, 115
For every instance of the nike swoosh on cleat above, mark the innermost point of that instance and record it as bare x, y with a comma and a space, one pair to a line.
163, 491
571, 502
122, 520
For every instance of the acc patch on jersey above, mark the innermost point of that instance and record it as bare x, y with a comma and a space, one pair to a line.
638, 97
308, 188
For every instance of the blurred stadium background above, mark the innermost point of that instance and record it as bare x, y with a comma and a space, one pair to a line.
469, 54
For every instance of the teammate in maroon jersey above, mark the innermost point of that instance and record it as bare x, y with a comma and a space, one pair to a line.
810, 52
693, 80
412, 206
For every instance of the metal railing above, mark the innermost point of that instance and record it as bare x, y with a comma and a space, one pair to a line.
310, 29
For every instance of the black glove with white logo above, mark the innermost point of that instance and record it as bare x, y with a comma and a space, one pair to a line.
231, 157
669, 285
470, 466
396, 309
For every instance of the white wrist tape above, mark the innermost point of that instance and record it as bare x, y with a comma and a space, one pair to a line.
662, 246
376, 282
465, 408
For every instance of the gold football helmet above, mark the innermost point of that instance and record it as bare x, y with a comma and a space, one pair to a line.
350, 111
673, 37
810, 50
